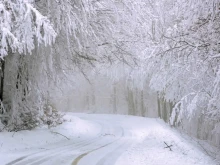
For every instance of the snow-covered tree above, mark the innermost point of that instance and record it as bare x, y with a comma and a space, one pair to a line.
20, 25
22, 29
170, 46
182, 61
89, 33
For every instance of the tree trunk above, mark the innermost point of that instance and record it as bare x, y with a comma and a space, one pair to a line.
2, 79
115, 99
158, 105
142, 104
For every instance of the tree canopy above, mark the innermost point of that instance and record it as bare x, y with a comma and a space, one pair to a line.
173, 45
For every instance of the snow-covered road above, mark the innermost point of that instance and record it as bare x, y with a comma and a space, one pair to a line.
86, 139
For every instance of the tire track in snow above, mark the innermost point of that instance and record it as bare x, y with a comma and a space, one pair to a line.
39, 160
105, 130
73, 148
38, 155
66, 157
112, 157
20, 161
51, 153
101, 141
43, 157
82, 156
75, 162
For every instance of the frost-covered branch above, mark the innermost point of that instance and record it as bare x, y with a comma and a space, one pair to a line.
20, 24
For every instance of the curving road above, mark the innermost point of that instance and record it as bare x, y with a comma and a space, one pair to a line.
119, 140
103, 149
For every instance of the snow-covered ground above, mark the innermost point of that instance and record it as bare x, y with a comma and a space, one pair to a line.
91, 139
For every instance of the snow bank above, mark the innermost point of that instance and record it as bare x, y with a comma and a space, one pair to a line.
102, 138
27, 142
151, 149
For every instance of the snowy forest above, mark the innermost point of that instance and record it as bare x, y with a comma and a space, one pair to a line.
149, 58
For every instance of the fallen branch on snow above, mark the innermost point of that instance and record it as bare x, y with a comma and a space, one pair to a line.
60, 134
168, 146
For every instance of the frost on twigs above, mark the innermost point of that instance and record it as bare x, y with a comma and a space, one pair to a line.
26, 121
22, 29
32, 119
20, 24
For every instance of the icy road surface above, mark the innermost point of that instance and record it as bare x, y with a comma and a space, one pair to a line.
86, 139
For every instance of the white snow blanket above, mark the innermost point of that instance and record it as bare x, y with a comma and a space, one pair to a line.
91, 139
